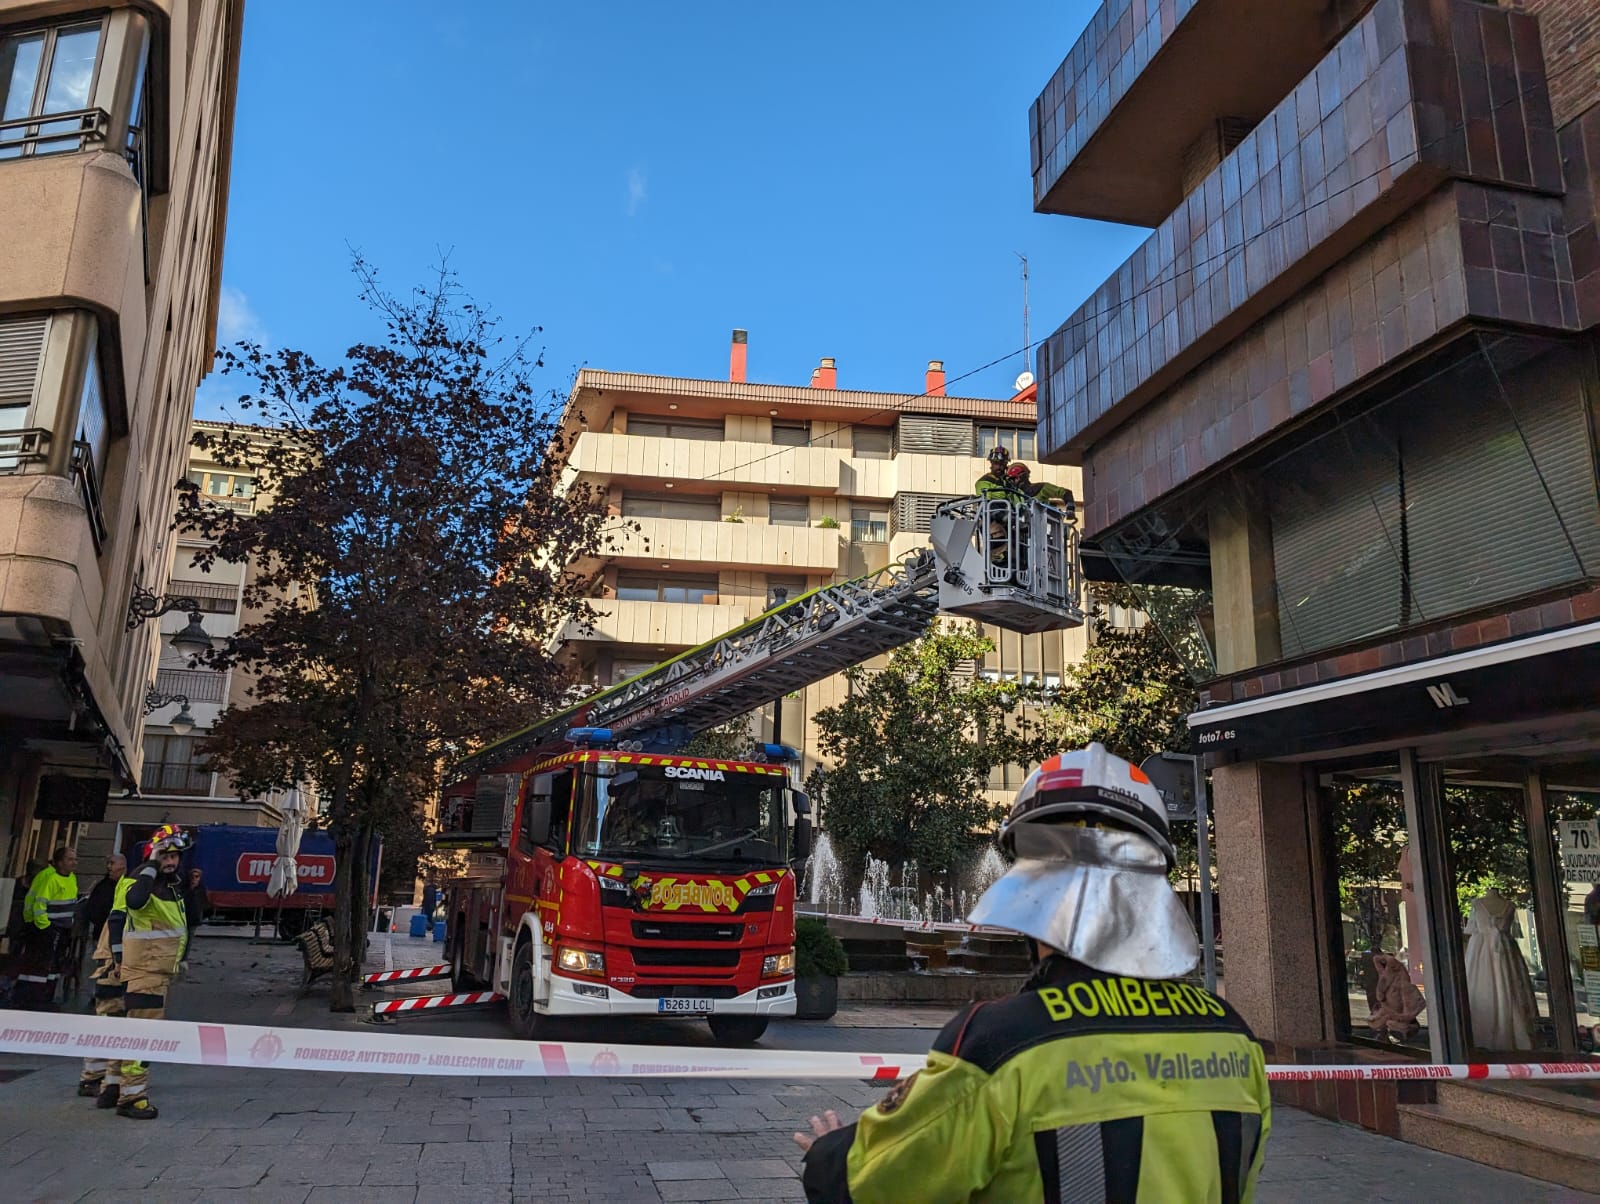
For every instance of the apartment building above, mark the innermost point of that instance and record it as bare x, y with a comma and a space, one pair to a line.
731, 493
116, 126
1337, 423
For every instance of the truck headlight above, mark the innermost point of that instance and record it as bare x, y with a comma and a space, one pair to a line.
581, 961
768, 888
777, 963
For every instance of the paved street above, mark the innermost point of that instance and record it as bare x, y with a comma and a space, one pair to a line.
300, 1136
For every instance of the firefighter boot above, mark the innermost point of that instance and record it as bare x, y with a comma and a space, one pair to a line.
138, 1108
110, 1095
89, 1088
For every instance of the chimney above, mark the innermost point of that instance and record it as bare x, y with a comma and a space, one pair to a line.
826, 376
736, 355
934, 386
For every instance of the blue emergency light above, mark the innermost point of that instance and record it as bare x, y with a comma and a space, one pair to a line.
588, 735
779, 752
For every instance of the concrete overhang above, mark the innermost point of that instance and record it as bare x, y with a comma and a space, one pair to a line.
1111, 129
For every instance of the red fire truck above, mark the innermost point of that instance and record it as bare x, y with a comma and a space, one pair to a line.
609, 874
629, 883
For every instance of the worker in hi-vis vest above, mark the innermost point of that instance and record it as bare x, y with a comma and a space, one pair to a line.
154, 934
1108, 1076
102, 1077
49, 911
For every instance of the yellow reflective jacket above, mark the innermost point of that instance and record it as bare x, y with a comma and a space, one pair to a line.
52, 900
156, 930
1085, 1086
108, 950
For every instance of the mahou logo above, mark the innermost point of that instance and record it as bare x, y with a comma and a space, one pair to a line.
312, 870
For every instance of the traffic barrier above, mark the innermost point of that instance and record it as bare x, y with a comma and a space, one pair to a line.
194, 1043
420, 1003
414, 974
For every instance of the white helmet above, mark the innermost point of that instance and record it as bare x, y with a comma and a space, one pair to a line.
1093, 849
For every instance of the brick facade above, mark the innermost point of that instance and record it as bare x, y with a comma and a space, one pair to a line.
1570, 30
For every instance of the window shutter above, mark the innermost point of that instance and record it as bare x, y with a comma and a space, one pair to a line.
935, 435
914, 511
21, 357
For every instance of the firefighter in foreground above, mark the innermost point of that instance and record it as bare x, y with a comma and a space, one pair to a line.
102, 1077
1105, 1078
154, 934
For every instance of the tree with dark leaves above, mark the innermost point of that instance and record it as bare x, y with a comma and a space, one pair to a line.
407, 572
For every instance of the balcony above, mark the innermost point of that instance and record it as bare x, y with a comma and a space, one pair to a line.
652, 460
662, 624
744, 545
1412, 96
182, 777
197, 685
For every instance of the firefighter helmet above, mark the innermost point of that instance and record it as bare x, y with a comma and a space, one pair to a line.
1089, 833
168, 836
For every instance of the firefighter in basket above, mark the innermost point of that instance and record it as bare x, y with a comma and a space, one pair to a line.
1108, 1076
155, 932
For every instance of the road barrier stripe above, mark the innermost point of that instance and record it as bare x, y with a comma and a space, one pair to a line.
417, 974
909, 925
421, 1003
246, 1046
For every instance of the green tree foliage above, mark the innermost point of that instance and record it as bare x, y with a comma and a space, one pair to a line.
913, 746
406, 575
730, 741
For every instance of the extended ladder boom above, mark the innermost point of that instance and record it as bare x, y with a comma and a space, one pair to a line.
997, 560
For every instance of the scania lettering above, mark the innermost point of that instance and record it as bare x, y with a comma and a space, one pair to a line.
691, 771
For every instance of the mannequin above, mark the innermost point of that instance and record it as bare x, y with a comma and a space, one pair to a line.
1499, 991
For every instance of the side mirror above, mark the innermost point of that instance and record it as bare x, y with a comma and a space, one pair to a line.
536, 810
802, 839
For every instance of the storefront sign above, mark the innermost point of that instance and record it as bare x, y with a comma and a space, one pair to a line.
1580, 850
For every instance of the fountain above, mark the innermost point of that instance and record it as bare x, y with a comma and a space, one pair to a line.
825, 886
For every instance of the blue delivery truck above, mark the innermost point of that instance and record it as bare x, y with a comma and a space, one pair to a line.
236, 864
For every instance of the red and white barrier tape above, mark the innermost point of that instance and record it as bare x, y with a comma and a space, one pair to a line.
908, 925
383, 976
423, 1003
193, 1043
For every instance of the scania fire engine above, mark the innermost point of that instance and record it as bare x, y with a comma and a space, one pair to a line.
611, 875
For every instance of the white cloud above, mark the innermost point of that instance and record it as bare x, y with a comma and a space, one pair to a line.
638, 190
235, 319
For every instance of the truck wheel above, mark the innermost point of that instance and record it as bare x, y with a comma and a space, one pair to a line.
737, 1030
519, 1003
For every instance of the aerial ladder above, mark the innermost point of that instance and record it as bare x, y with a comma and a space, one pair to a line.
558, 911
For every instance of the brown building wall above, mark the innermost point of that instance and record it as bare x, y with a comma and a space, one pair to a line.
1570, 31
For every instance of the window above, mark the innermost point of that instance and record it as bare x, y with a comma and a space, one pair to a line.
667, 505
175, 765
233, 490
624, 667
21, 356
675, 428
45, 72
791, 434
215, 597
1015, 439
871, 442
869, 525
643, 587
792, 588
94, 433
789, 514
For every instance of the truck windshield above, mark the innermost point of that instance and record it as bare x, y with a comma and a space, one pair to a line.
643, 813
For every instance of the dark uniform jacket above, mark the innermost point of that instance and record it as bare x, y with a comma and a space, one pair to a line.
1083, 1087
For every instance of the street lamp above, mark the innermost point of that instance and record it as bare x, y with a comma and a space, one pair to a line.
183, 721
146, 604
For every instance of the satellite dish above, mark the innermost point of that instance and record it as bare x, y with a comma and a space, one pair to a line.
1023, 381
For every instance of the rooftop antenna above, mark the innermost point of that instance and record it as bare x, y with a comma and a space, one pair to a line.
1026, 378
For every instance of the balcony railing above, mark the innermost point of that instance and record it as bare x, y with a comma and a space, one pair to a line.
197, 685
21, 448
55, 134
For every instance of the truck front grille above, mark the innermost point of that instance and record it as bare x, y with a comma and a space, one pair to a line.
725, 959
683, 930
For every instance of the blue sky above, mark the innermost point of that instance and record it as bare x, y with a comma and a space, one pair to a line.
639, 178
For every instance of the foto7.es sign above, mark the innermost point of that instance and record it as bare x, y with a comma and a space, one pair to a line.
312, 870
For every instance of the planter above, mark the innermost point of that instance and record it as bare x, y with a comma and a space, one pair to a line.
816, 998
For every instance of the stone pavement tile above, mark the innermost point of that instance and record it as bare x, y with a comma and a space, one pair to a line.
293, 1170
266, 1193
481, 1193
758, 1168
770, 1189
438, 1174
698, 1189
415, 1133
685, 1170
397, 1194
229, 1174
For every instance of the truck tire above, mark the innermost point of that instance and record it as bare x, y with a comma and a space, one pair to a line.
519, 995
460, 979
737, 1030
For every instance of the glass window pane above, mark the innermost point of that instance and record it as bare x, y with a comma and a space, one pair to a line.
791, 434
72, 69
790, 514
1025, 445
244, 487
19, 74
93, 428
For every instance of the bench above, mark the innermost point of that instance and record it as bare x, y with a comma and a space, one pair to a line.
316, 948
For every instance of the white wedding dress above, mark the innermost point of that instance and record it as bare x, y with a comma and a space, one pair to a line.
1499, 991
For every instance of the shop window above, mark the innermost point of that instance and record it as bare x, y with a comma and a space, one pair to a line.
676, 428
